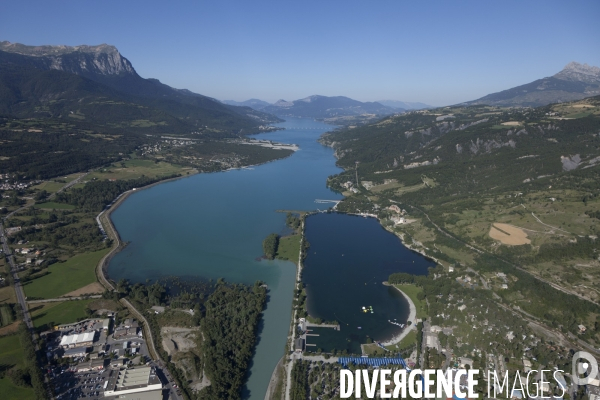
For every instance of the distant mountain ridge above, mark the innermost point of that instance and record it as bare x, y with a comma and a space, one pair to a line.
322, 107
574, 82
23, 66
252, 103
404, 105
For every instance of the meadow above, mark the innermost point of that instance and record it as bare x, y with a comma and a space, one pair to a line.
48, 315
65, 277
11, 355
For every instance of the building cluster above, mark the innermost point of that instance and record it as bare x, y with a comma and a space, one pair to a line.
399, 214
11, 182
106, 359
349, 186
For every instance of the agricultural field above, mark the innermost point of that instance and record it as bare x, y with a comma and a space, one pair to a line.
7, 316
52, 186
46, 315
7, 295
135, 168
66, 277
50, 205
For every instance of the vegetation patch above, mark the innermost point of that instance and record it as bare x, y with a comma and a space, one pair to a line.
289, 248
415, 293
12, 358
48, 315
54, 206
135, 169
66, 277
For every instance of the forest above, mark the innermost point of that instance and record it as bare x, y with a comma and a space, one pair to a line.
270, 245
96, 195
230, 328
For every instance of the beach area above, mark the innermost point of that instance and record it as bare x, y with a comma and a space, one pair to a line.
412, 317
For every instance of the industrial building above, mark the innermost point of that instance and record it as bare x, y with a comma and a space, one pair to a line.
134, 381
78, 340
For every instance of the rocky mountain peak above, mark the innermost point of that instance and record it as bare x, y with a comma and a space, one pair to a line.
283, 103
101, 59
575, 71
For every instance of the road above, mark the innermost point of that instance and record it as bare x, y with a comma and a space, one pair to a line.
68, 185
554, 285
13, 268
146, 328
17, 283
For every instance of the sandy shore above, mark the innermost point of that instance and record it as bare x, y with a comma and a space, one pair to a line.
412, 316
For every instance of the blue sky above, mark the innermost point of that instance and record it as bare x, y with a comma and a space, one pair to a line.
437, 52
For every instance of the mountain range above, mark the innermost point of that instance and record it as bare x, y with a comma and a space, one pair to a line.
575, 81
404, 105
324, 107
97, 84
252, 103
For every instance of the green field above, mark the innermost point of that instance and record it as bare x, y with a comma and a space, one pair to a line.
412, 291
409, 340
54, 206
65, 277
12, 355
289, 248
53, 186
136, 168
6, 315
7, 295
57, 313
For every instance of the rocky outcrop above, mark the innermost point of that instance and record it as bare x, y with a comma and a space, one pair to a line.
83, 60
486, 146
569, 163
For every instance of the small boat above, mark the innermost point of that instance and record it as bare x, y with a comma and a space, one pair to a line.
360, 327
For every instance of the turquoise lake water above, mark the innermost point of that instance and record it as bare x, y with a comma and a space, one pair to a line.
212, 226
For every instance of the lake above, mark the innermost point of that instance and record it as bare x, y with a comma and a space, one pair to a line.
348, 259
212, 226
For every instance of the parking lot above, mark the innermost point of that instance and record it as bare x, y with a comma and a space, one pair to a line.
71, 386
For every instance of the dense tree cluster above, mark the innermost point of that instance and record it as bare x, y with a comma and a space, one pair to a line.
229, 329
270, 245
31, 363
58, 151
292, 221
96, 195
299, 389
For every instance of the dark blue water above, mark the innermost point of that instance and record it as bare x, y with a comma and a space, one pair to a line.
347, 262
213, 225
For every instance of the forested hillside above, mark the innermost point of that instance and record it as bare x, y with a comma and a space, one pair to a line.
500, 190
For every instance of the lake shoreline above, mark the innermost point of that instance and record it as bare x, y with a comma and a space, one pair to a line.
412, 318
104, 217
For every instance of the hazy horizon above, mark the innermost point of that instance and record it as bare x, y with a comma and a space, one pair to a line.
435, 53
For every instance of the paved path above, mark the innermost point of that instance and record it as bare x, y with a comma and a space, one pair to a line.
96, 296
146, 327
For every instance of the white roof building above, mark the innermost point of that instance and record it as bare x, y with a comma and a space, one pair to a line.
77, 340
